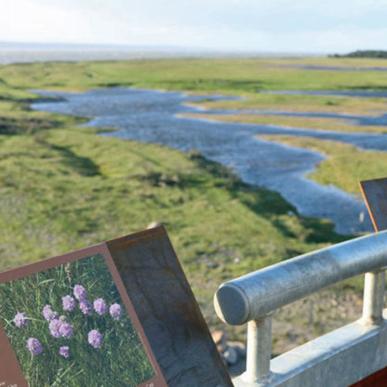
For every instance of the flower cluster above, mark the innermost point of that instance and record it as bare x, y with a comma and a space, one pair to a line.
34, 346
80, 293
64, 351
100, 306
85, 307
68, 303
20, 320
61, 328
115, 311
95, 338
48, 313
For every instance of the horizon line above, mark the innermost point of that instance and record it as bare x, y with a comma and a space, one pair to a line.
166, 47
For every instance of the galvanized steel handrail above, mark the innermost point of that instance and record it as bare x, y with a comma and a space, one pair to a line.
253, 297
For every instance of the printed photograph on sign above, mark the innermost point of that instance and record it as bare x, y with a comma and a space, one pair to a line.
69, 326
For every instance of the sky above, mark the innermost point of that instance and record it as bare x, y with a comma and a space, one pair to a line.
283, 26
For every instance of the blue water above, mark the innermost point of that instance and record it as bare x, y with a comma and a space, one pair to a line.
336, 68
337, 93
155, 117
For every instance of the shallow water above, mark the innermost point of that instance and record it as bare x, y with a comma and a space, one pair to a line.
154, 117
337, 93
336, 68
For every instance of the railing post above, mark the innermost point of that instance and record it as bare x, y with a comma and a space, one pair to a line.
373, 301
259, 343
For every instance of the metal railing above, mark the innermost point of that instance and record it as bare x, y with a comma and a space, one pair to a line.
254, 297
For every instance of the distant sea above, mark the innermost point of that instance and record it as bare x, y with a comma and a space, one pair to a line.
33, 52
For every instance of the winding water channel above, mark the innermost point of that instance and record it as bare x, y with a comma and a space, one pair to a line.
155, 117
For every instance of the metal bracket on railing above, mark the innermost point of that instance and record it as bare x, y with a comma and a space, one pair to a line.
254, 297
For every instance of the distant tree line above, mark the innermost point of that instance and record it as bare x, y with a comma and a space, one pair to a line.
362, 54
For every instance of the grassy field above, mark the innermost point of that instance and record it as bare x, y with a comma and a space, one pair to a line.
303, 103
67, 188
235, 76
68, 350
64, 186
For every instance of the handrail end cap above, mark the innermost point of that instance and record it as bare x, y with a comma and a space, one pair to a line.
231, 304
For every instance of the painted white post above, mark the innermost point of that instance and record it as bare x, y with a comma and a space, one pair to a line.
373, 301
259, 342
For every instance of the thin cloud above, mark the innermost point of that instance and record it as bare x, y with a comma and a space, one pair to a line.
259, 25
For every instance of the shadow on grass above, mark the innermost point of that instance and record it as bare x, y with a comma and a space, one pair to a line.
13, 126
115, 84
82, 165
215, 84
323, 231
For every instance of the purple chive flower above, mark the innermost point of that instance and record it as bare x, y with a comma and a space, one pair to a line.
34, 346
100, 306
80, 293
85, 307
115, 311
95, 338
20, 320
68, 303
48, 313
66, 330
54, 328
64, 351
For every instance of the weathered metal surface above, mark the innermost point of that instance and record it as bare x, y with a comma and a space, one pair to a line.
253, 296
337, 359
167, 309
375, 196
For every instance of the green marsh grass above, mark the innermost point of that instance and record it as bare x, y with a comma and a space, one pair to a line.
330, 124
62, 186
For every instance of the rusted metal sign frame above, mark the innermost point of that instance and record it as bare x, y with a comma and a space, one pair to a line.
146, 268
375, 196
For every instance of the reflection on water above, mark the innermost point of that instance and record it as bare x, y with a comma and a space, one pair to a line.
154, 117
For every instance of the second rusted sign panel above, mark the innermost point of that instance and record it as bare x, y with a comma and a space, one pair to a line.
375, 196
